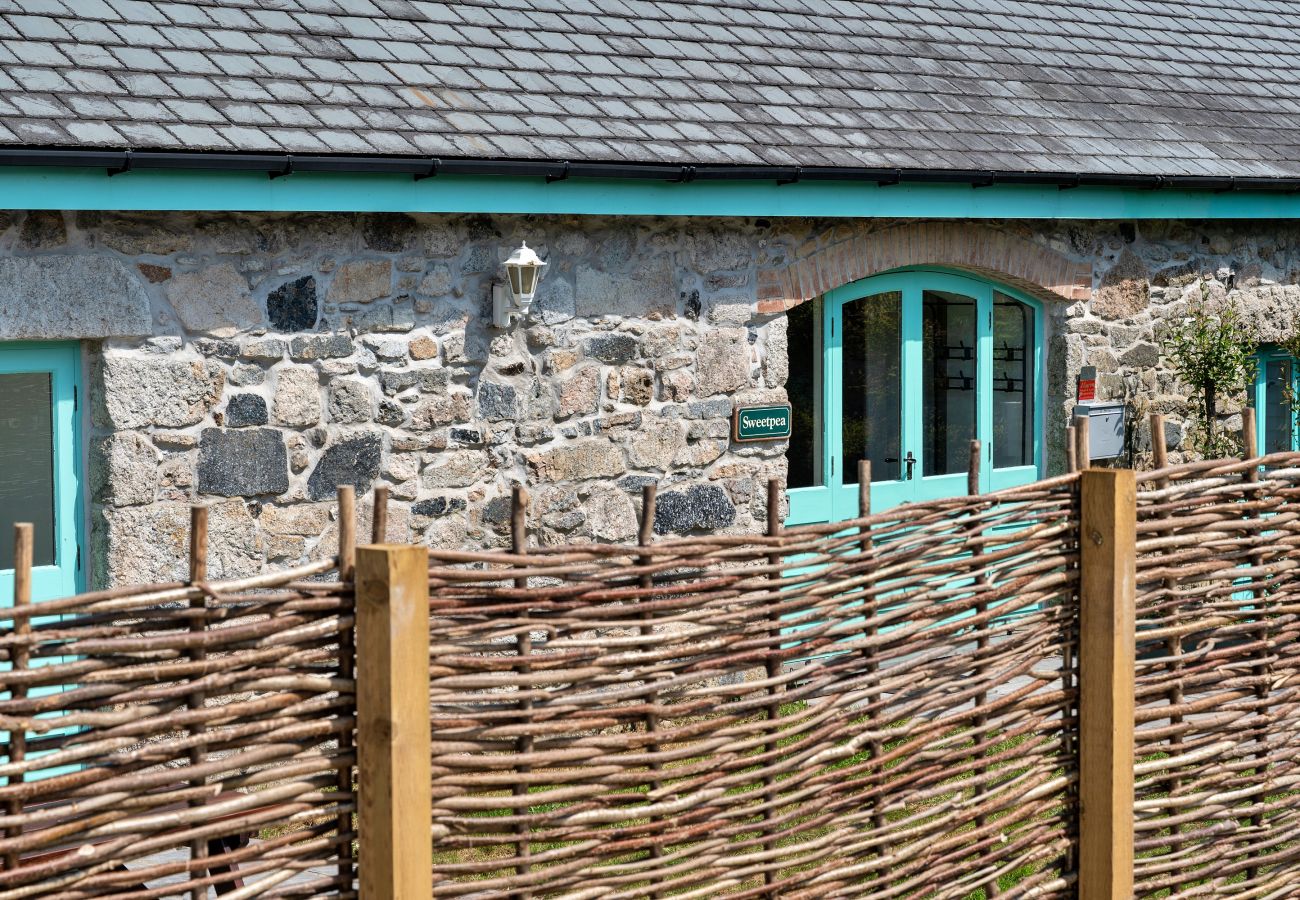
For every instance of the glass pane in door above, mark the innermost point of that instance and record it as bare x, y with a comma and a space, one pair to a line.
1278, 421
1013, 382
803, 386
948, 379
871, 380
26, 463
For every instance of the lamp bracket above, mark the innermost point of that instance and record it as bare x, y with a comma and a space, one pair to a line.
503, 307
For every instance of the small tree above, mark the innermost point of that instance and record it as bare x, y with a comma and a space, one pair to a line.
1212, 351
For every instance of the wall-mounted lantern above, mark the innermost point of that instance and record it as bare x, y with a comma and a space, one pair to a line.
523, 272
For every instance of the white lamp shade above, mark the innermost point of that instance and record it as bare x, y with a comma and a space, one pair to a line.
524, 270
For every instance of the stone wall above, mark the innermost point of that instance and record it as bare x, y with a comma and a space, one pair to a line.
1147, 275
257, 361
284, 355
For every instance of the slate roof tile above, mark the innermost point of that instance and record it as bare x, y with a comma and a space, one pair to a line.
144, 134
137, 11
1204, 87
88, 131
39, 79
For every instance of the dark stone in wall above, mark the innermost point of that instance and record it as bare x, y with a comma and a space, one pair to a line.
354, 461
497, 511
394, 382
497, 402
710, 409
389, 232
701, 506
219, 349
479, 259
634, 483
691, 305
43, 229
154, 274
293, 306
439, 506
245, 409
242, 463
433, 381
610, 348
322, 346
390, 413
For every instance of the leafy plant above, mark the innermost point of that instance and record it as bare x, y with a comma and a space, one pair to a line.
1212, 351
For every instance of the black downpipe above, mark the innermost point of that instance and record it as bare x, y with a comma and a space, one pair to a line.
281, 164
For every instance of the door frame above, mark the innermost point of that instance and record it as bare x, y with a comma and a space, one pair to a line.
62, 360
1259, 394
833, 500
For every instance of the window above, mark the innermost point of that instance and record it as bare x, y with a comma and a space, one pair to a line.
903, 371
40, 464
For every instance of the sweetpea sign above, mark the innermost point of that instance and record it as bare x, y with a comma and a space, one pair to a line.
761, 423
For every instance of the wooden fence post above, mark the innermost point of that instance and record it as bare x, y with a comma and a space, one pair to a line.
874, 747
197, 700
379, 516
524, 648
346, 782
772, 666
1107, 537
1174, 644
1082, 451
1159, 446
646, 537
393, 733
24, 547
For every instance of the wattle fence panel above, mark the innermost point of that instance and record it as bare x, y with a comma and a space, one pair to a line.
1218, 681
886, 707
178, 738
878, 710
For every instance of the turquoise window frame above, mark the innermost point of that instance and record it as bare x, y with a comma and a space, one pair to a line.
1259, 395
833, 500
62, 361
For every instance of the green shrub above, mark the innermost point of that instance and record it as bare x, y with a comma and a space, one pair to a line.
1213, 351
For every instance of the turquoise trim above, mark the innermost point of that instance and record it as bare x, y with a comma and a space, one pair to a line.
63, 362
835, 501
83, 188
1259, 395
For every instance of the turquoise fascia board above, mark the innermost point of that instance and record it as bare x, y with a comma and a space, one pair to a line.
146, 189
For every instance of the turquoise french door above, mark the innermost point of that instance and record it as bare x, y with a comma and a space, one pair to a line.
40, 464
1277, 381
904, 370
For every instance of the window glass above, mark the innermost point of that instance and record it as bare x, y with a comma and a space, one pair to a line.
871, 406
948, 378
803, 387
26, 463
1277, 406
1013, 381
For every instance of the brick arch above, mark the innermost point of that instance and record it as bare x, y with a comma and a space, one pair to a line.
849, 254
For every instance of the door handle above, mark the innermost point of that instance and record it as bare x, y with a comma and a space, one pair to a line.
909, 460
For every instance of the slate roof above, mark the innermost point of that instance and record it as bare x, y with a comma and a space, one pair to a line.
1197, 87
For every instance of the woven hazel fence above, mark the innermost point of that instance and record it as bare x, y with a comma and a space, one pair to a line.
166, 740
1068, 688
1218, 681
880, 708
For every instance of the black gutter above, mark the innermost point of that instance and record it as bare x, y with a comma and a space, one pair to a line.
277, 165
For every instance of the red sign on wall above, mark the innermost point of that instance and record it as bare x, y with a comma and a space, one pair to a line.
1087, 384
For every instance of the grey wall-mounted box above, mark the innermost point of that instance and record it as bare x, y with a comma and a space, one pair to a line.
1105, 428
